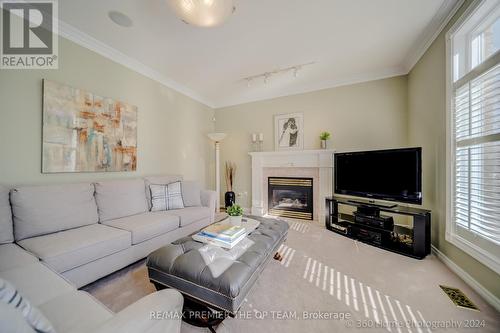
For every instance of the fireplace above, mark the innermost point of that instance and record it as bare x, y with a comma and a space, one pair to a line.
290, 197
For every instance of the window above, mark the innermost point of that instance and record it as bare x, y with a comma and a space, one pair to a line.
473, 175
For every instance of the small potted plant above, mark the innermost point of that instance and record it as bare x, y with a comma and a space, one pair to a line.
235, 213
324, 136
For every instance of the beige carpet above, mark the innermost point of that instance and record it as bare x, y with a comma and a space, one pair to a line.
325, 273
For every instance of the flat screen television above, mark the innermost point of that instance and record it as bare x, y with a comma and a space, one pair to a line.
393, 174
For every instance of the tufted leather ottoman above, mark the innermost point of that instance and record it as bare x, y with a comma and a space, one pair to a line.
210, 277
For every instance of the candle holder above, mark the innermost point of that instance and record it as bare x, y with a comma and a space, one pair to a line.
257, 142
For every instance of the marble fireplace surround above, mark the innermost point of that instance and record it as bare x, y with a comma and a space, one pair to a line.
316, 164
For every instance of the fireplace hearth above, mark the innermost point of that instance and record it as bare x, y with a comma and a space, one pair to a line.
290, 197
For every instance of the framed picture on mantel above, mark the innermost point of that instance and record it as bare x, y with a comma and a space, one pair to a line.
289, 131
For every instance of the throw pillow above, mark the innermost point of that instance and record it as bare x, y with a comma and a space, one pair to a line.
12, 298
191, 194
166, 197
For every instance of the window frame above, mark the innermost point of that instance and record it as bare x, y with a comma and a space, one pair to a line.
476, 31
451, 234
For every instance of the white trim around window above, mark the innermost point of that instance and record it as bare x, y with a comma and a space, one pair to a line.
477, 247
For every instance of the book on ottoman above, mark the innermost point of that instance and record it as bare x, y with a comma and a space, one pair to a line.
223, 231
221, 234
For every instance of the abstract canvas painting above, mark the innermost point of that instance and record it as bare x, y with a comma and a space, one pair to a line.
84, 132
288, 131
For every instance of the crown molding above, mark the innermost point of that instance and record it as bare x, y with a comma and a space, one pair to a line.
354, 79
444, 14
79, 37
73, 34
447, 10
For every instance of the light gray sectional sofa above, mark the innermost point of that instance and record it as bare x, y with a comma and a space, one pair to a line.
55, 239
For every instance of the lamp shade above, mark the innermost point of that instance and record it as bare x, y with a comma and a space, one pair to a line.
202, 13
217, 137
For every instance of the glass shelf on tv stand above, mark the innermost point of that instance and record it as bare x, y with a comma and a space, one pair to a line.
400, 238
396, 208
411, 238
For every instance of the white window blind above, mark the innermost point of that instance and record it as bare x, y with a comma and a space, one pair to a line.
477, 162
475, 142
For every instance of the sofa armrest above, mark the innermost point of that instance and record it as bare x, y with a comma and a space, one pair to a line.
208, 199
158, 312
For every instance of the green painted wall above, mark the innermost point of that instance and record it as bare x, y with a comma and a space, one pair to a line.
171, 127
427, 128
367, 115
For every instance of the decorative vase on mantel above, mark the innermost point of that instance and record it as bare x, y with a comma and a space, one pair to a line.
324, 137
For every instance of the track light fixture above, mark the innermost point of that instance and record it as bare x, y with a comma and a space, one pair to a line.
266, 77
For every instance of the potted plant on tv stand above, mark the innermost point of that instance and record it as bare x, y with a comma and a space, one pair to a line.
230, 197
235, 213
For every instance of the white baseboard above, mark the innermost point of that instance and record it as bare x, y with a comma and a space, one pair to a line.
479, 288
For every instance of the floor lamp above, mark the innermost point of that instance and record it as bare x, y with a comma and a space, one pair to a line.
217, 138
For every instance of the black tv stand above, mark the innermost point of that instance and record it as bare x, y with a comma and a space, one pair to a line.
413, 240
373, 203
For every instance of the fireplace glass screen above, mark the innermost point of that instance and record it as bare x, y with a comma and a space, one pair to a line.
290, 197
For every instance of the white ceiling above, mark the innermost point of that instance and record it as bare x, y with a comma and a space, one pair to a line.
350, 41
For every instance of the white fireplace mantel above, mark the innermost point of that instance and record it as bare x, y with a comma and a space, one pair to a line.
322, 159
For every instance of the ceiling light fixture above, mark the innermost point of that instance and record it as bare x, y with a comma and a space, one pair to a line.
267, 75
203, 13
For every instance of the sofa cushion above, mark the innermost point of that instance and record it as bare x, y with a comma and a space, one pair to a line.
11, 296
137, 317
166, 197
146, 226
159, 180
76, 310
191, 194
37, 282
12, 320
189, 215
6, 230
72, 248
120, 198
12, 256
40, 210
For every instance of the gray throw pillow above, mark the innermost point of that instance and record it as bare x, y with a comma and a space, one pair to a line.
191, 194
12, 298
166, 197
